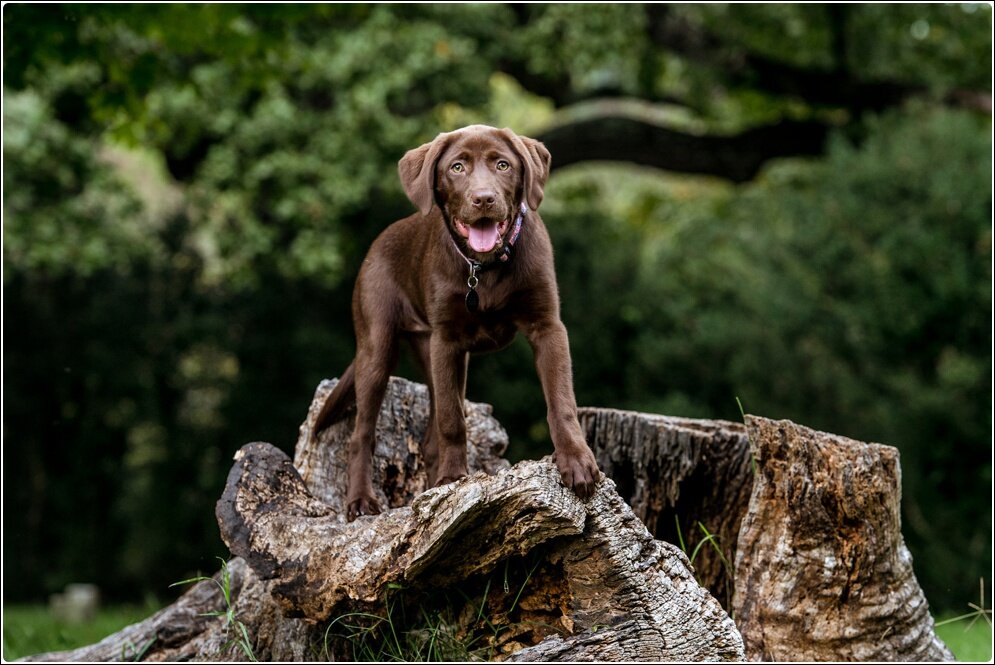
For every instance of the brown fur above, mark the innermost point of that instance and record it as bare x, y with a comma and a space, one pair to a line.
412, 286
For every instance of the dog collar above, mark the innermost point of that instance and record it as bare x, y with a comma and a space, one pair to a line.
476, 267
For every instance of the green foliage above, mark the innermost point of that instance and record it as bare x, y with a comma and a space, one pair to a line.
933, 45
65, 210
928, 44
600, 47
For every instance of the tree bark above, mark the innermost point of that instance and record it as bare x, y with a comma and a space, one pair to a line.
796, 532
599, 586
822, 571
812, 563
684, 478
398, 472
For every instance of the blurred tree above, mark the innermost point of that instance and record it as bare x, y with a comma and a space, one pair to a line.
189, 190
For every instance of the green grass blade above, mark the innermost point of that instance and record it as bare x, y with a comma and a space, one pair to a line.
483, 601
522, 588
680, 536
714, 541
245, 643
191, 581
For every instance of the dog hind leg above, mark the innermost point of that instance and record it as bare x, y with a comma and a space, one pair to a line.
374, 362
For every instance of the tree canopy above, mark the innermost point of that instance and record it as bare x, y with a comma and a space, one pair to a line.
789, 204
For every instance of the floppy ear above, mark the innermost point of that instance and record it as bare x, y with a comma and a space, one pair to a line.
535, 164
417, 172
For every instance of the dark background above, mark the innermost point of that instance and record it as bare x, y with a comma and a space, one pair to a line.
789, 204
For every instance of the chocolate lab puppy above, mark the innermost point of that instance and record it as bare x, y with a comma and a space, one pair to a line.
463, 275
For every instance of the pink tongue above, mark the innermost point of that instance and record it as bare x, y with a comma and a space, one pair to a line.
483, 237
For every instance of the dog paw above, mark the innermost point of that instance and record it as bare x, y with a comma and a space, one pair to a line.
452, 466
578, 470
365, 505
445, 480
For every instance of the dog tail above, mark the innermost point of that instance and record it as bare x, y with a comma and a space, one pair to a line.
339, 401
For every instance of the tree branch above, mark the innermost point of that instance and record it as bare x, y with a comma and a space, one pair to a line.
737, 157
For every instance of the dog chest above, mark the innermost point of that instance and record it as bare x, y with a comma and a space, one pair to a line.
477, 332
485, 333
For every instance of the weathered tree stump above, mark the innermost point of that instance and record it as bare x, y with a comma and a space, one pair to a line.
682, 477
812, 564
398, 471
822, 571
795, 532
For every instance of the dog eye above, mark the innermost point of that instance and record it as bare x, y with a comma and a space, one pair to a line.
457, 167
503, 165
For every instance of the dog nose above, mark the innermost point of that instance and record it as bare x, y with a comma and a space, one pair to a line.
483, 198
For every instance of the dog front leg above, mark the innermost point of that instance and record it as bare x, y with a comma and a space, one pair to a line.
449, 365
573, 457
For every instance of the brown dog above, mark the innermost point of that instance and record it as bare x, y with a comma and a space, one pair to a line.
463, 275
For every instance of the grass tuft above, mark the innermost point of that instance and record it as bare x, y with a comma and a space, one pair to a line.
712, 540
241, 637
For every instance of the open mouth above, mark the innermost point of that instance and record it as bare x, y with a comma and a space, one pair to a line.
482, 235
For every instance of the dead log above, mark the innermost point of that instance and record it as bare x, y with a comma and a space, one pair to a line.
822, 571
597, 585
601, 588
508, 564
195, 628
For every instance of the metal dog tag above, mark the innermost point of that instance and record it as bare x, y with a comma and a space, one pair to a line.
472, 300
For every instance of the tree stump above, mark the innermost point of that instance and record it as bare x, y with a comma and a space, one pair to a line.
398, 471
822, 571
805, 549
183, 631
684, 478
795, 532
597, 585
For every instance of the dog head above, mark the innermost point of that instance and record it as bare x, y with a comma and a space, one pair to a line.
478, 176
